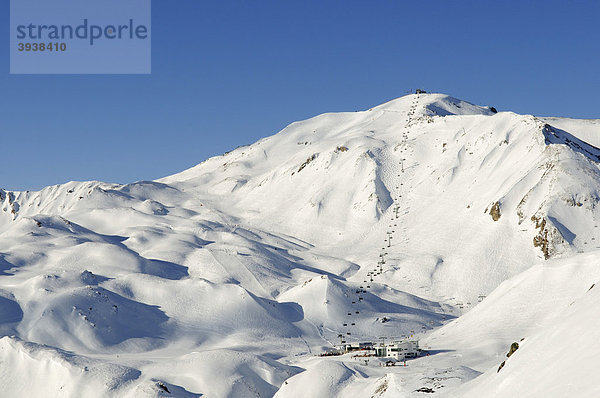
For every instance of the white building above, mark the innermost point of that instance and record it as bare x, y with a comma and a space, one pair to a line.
399, 350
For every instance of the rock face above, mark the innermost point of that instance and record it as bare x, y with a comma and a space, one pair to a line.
541, 239
513, 347
495, 211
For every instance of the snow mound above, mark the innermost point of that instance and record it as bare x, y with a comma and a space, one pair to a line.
46, 370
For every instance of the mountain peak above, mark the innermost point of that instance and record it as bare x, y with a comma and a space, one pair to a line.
434, 104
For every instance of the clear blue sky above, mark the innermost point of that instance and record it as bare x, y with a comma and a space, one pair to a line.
226, 73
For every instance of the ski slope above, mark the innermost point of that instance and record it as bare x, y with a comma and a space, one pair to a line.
228, 278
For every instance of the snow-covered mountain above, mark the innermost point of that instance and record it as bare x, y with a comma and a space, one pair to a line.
227, 279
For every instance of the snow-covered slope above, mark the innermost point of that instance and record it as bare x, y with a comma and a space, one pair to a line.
227, 278
551, 312
448, 164
558, 361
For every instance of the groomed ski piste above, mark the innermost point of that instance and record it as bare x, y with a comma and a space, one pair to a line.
425, 218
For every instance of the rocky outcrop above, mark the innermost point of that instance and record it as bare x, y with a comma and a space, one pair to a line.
495, 211
513, 347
